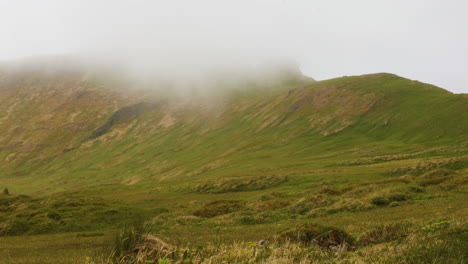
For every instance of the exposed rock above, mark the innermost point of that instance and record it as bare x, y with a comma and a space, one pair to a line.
67, 150
263, 243
123, 115
82, 94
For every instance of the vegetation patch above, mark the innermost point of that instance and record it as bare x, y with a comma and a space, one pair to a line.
348, 204
252, 218
221, 207
306, 204
398, 197
62, 213
443, 246
380, 201
436, 225
421, 168
241, 185
317, 235
269, 205
386, 233
373, 160
435, 177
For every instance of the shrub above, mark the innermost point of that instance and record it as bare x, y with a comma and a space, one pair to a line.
394, 204
380, 201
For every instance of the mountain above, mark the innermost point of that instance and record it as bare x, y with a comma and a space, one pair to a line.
377, 160
61, 130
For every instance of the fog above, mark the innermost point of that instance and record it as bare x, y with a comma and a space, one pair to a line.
423, 40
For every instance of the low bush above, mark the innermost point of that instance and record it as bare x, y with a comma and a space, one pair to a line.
380, 201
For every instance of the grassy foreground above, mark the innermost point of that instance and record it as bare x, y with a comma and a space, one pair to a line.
403, 242
440, 241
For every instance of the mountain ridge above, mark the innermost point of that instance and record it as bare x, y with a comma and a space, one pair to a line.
49, 125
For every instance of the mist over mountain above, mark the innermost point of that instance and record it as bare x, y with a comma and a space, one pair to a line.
247, 131
328, 39
61, 113
89, 148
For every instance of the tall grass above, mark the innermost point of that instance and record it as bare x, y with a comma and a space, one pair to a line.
397, 243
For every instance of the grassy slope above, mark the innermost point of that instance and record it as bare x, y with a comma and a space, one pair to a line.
242, 133
363, 136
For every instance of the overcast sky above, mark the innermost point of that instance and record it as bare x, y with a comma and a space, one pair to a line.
425, 40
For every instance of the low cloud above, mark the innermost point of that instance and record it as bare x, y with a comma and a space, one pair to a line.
420, 39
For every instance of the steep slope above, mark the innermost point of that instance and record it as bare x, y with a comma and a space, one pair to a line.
64, 131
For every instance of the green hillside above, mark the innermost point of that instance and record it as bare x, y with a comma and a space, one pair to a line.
255, 156
66, 131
